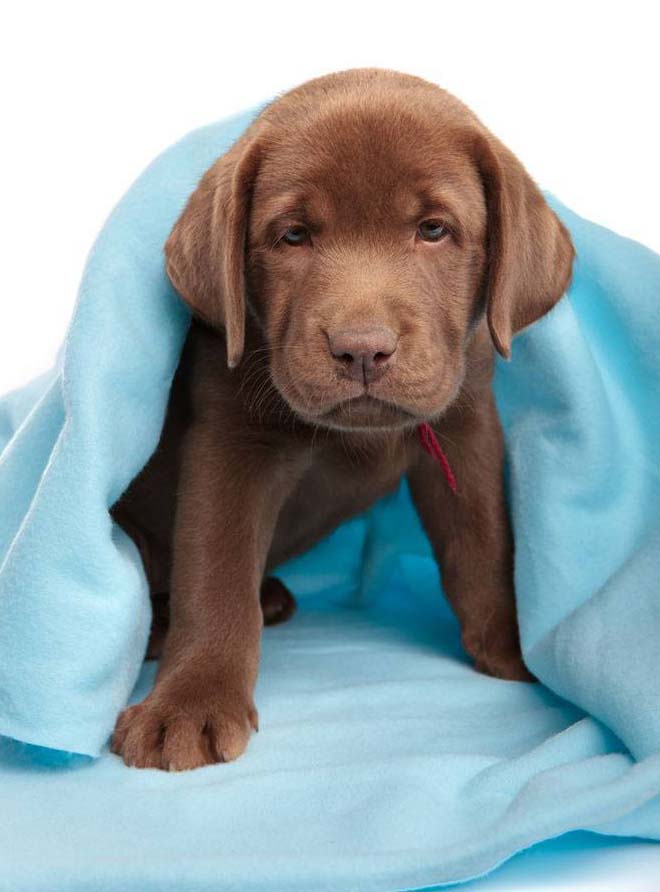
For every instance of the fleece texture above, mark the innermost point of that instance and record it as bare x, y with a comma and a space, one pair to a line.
384, 760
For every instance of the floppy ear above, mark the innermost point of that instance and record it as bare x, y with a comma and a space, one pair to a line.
205, 251
530, 253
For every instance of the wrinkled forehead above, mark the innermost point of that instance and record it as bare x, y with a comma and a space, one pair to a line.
369, 168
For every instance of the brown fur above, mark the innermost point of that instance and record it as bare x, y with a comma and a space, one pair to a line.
272, 438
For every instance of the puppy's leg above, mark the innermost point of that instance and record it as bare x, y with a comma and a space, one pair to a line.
471, 537
277, 605
201, 709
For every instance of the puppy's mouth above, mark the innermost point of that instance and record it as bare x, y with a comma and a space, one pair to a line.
366, 412
353, 406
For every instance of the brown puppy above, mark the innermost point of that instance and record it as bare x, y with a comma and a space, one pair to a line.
353, 258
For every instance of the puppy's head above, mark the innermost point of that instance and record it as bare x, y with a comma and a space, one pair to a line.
370, 225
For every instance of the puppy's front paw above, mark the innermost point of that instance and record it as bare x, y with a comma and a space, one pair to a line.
497, 655
508, 666
177, 735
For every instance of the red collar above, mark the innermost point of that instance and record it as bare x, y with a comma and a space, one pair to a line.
430, 443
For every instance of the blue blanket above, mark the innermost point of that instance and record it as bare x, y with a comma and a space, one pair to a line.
384, 761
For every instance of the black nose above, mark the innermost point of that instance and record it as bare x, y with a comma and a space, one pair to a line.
364, 354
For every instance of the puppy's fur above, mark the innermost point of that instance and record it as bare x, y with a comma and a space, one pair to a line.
351, 262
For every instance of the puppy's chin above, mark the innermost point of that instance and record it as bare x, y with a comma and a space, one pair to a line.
360, 412
363, 414
366, 413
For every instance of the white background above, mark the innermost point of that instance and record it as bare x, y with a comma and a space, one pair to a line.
91, 92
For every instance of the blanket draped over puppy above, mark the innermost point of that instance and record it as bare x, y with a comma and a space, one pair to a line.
384, 760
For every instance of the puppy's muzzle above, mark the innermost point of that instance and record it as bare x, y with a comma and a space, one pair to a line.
363, 354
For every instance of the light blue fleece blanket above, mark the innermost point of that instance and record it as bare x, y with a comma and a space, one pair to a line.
384, 761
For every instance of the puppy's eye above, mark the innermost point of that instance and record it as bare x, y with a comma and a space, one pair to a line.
432, 230
296, 235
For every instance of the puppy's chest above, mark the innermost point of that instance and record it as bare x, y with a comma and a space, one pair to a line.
338, 484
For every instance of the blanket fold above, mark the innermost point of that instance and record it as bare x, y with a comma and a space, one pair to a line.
385, 761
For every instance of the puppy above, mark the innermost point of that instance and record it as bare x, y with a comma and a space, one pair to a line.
352, 263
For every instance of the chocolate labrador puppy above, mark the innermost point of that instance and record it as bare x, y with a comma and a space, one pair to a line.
351, 262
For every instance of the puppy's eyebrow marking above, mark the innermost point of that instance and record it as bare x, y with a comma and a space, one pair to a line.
428, 201
286, 205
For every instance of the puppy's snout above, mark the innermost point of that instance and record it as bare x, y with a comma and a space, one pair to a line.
363, 354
